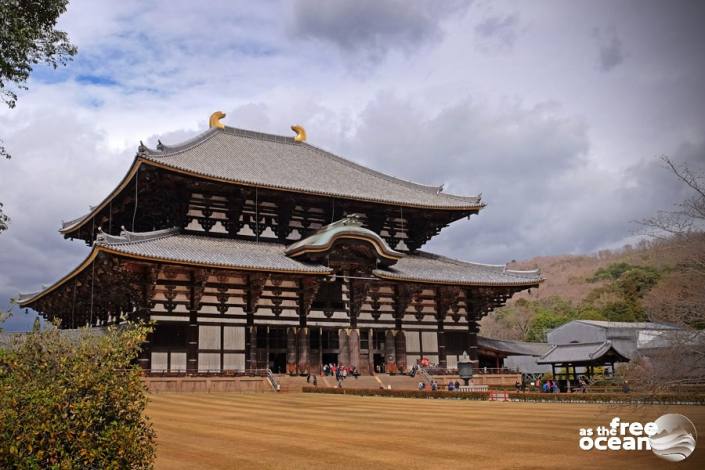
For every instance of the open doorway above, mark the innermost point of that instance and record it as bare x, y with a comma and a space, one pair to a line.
378, 360
329, 358
277, 362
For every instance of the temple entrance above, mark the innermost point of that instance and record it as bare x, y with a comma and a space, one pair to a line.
277, 362
378, 360
329, 358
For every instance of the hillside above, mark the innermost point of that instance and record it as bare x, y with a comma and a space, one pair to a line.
668, 275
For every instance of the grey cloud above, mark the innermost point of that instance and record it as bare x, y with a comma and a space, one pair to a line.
610, 49
544, 193
370, 28
499, 31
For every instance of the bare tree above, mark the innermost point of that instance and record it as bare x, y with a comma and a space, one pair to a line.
678, 357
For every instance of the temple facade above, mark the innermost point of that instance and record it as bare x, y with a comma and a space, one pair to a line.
249, 250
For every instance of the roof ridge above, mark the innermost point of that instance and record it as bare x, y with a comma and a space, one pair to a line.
126, 237
169, 151
164, 150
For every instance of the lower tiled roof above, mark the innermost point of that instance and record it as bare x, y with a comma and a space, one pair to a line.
166, 245
427, 267
170, 246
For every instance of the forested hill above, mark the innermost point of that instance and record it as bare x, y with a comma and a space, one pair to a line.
662, 280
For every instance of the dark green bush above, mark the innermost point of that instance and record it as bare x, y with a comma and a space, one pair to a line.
74, 402
690, 398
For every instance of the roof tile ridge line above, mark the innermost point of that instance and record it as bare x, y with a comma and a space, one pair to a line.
462, 262
553, 348
290, 141
524, 271
159, 234
188, 144
408, 183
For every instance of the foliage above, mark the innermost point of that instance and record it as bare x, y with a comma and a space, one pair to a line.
619, 297
74, 402
28, 37
661, 398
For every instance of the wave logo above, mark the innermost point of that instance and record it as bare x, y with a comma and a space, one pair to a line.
675, 438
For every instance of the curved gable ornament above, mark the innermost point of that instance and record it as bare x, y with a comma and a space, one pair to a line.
348, 228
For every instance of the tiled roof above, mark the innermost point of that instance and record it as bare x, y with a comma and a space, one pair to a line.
169, 245
516, 348
580, 352
427, 267
278, 162
626, 324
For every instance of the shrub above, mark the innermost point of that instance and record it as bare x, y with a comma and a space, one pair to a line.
74, 402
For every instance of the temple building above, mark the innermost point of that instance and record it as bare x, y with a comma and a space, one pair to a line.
249, 250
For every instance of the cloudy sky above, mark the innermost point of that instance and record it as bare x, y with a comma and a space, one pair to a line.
555, 111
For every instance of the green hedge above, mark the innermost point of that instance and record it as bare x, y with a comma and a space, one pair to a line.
366, 392
697, 399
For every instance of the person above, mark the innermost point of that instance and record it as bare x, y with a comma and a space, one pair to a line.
625, 387
544, 389
421, 386
555, 388
451, 386
517, 385
457, 385
434, 386
308, 378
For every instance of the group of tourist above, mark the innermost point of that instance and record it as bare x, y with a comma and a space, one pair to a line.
340, 372
452, 386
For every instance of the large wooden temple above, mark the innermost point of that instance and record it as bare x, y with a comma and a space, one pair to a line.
250, 250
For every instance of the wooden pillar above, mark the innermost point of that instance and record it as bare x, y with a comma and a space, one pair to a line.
343, 348
474, 309
390, 356
304, 348
255, 284
354, 347
445, 297
400, 349
291, 350
192, 343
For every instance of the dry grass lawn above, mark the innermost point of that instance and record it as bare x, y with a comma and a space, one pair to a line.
297, 431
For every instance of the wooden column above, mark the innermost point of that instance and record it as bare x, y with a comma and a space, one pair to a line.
304, 350
291, 341
354, 347
390, 352
343, 347
253, 291
474, 310
308, 287
198, 283
402, 298
445, 297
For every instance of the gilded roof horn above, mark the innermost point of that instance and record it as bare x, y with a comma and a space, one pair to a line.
215, 118
300, 133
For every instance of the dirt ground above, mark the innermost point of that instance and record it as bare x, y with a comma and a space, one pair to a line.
297, 431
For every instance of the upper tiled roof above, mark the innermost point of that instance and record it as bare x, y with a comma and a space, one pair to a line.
427, 267
278, 162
